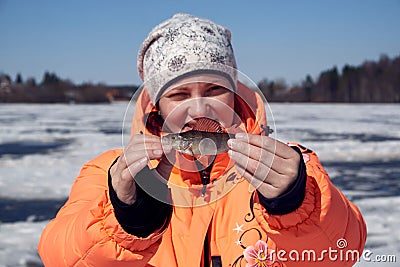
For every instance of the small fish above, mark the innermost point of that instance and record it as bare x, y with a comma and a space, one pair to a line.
198, 142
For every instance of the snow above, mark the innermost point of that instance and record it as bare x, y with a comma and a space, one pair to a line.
18, 243
42, 148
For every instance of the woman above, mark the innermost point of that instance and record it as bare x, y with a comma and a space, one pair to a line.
161, 202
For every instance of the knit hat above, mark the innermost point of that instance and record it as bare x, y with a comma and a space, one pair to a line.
182, 46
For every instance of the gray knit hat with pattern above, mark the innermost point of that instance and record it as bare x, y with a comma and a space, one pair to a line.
181, 46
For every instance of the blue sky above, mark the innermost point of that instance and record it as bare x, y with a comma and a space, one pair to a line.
97, 41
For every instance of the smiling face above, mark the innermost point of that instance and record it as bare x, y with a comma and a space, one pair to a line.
197, 97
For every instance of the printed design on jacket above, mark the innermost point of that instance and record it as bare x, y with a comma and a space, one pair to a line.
259, 254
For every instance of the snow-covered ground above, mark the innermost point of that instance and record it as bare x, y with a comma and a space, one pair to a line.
42, 148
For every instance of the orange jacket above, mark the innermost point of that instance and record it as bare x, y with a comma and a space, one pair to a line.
86, 232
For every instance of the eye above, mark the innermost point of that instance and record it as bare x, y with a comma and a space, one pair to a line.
173, 137
217, 90
178, 96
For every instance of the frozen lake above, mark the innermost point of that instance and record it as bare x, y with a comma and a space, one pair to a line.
42, 148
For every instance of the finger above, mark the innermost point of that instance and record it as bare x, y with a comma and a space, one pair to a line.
254, 167
148, 137
272, 186
268, 143
142, 140
251, 151
133, 156
123, 180
266, 189
249, 177
121, 164
137, 166
149, 142
141, 147
258, 172
273, 161
149, 151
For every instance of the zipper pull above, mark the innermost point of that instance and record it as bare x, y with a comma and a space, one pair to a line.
203, 190
205, 180
204, 174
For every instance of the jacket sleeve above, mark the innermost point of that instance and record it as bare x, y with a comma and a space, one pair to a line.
86, 232
154, 213
326, 223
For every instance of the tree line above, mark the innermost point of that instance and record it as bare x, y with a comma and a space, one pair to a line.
53, 89
370, 82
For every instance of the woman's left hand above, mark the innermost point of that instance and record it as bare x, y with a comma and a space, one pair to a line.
268, 164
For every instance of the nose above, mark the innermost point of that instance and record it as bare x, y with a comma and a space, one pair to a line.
198, 107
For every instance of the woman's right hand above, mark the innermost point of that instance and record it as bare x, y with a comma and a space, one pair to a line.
140, 149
